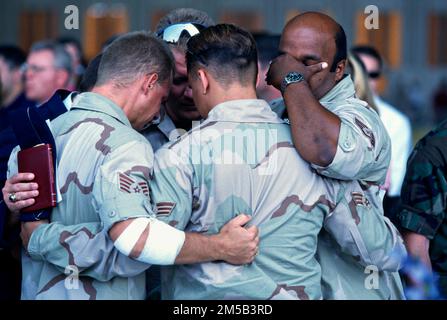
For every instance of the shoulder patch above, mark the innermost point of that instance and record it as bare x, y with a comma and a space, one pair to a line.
164, 208
129, 185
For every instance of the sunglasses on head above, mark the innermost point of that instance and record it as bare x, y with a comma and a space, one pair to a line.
374, 74
173, 32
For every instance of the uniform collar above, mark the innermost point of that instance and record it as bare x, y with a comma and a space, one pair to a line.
96, 102
246, 110
166, 125
341, 91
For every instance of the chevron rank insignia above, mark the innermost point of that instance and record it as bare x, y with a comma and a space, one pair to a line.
129, 185
165, 208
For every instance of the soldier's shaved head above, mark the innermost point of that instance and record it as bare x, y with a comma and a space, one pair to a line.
326, 26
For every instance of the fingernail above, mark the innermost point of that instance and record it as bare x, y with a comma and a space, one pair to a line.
35, 193
324, 65
34, 186
31, 176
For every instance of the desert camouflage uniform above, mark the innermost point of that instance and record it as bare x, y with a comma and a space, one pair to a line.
363, 154
104, 167
424, 197
241, 160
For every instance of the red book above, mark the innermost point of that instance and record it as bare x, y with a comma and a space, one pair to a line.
39, 160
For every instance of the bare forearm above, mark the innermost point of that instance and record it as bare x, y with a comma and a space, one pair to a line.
199, 248
159, 243
315, 130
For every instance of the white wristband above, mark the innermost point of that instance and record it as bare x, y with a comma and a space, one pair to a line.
129, 237
163, 244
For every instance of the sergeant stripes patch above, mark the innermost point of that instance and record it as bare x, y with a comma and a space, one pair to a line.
129, 185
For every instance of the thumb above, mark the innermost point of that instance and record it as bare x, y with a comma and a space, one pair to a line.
317, 67
240, 220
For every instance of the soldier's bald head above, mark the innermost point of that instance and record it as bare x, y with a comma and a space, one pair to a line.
324, 25
317, 20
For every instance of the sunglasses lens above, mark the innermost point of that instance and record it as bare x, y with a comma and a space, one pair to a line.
175, 31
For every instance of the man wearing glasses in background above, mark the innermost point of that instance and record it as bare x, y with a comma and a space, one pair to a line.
47, 69
179, 112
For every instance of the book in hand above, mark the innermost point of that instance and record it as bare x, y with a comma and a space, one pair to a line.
39, 161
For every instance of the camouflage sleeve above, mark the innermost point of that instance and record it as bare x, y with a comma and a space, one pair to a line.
363, 151
172, 188
121, 188
86, 247
362, 231
423, 194
120, 191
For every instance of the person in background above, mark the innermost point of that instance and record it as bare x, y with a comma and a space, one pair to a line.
397, 125
423, 212
13, 98
267, 45
11, 61
47, 69
360, 78
74, 49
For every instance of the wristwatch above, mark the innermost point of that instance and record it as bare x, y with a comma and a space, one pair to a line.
291, 77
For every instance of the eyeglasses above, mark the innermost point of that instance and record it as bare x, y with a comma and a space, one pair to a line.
173, 33
374, 74
35, 69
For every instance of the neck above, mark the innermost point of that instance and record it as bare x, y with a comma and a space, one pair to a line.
122, 97
232, 93
12, 95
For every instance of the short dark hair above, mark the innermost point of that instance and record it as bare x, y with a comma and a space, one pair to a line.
368, 51
341, 47
14, 56
227, 51
90, 75
131, 56
268, 46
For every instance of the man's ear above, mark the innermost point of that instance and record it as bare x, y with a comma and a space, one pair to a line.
340, 70
149, 82
204, 80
